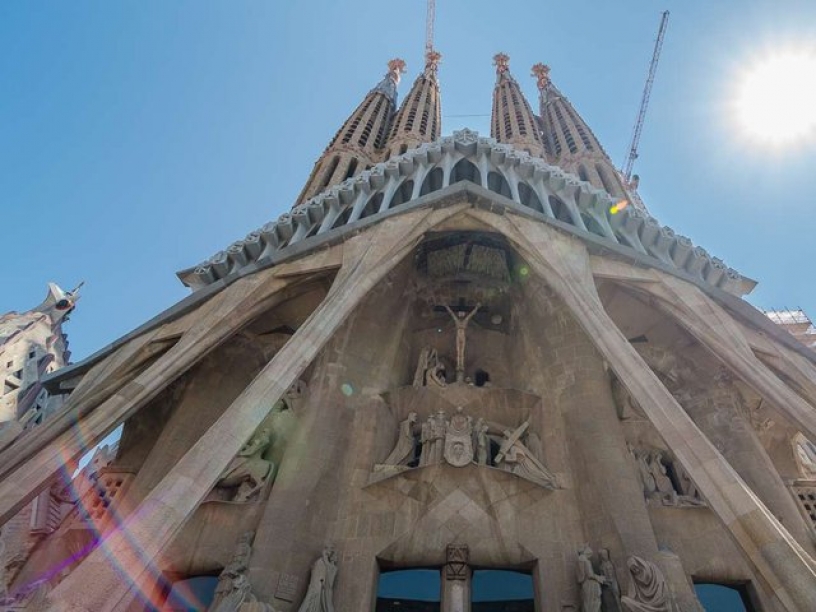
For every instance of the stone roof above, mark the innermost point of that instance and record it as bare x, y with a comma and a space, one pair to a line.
528, 181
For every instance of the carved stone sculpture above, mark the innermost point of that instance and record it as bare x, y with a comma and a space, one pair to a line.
249, 471
663, 484
611, 594
589, 581
430, 370
515, 457
228, 590
438, 430
426, 439
461, 320
482, 442
646, 476
403, 451
320, 594
648, 591
459, 440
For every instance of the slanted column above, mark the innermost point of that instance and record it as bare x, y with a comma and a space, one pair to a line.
608, 487
563, 262
716, 412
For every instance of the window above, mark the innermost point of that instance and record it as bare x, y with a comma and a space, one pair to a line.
502, 590
191, 595
465, 170
723, 598
409, 590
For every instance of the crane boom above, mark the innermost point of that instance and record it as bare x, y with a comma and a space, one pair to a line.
429, 26
644, 102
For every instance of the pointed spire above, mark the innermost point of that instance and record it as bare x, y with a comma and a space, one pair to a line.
419, 119
513, 121
568, 141
360, 142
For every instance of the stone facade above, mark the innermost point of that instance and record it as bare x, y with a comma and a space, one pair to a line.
458, 382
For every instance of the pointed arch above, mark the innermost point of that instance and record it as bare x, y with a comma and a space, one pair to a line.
402, 194
465, 170
432, 182
529, 198
342, 218
582, 173
372, 207
560, 209
592, 225
497, 183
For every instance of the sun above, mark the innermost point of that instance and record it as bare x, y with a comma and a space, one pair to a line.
776, 98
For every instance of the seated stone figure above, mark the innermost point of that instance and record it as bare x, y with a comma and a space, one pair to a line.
249, 471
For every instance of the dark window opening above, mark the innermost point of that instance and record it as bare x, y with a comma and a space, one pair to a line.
409, 590
481, 377
500, 590
529, 198
330, 171
560, 209
343, 218
372, 207
724, 598
352, 168
496, 182
403, 194
191, 595
432, 182
592, 225
465, 170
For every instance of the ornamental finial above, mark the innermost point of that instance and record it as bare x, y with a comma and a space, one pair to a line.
542, 74
502, 63
396, 68
432, 59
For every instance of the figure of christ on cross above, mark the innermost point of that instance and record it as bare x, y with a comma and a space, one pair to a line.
461, 320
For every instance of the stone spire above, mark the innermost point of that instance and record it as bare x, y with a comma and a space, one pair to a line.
568, 141
358, 144
419, 119
513, 121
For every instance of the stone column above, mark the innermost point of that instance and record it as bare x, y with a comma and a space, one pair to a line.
716, 412
563, 262
456, 580
614, 512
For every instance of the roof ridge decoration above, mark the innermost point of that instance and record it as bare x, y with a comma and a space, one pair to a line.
373, 192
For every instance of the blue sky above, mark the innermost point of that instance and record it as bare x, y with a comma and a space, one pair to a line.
139, 138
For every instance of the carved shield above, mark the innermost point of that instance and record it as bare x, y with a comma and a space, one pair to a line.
459, 441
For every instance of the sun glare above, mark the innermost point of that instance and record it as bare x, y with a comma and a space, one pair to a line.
776, 99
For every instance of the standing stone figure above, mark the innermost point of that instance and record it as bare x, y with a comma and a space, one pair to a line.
645, 471
590, 582
611, 594
461, 320
320, 594
438, 432
248, 471
481, 442
233, 588
648, 591
404, 449
664, 485
426, 439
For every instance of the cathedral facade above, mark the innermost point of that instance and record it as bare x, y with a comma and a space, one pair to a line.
464, 373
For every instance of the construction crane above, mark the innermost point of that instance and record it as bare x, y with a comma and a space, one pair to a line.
626, 171
429, 26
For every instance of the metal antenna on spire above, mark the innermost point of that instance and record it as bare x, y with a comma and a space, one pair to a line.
644, 102
429, 26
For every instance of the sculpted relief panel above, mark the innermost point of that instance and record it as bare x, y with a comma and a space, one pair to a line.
459, 441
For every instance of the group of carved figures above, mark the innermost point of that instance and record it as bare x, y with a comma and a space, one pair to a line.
648, 590
459, 441
248, 471
234, 592
658, 485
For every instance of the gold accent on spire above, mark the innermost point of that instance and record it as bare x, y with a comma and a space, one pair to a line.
396, 68
502, 63
542, 74
432, 59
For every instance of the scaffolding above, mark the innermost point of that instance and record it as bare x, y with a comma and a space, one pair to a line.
796, 323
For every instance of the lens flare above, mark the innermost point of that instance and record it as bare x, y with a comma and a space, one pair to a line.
618, 207
775, 102
346, 389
